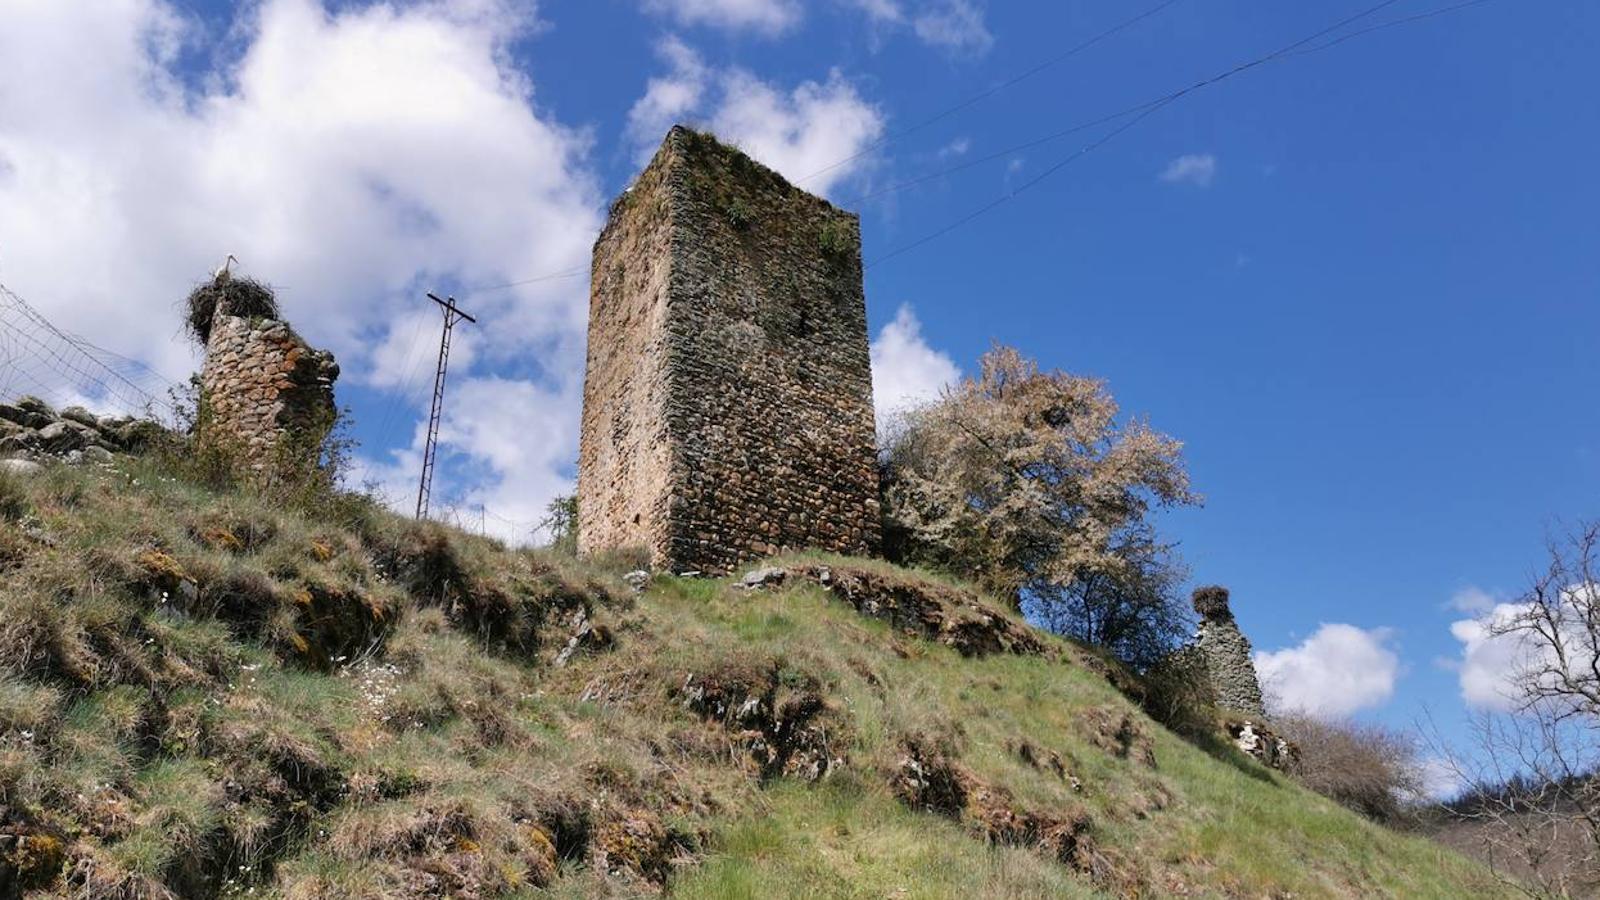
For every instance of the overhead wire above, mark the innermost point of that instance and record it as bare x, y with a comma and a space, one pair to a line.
1144, 110
887, 139
990, 92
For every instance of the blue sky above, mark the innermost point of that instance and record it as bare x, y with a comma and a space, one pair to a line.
1360, 284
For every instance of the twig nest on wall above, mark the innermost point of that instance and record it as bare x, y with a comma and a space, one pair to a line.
228, 296
1211, 603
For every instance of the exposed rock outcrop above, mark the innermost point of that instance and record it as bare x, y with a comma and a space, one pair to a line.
1265, 745
33, 432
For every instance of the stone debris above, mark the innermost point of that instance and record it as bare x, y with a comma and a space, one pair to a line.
778, 716
31, 432
1266, 746
587, 636
22, 467
763, 577
926, 609
637, 579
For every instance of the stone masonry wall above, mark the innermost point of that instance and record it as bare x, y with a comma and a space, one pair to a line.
1226, 653
262, 385
728, 404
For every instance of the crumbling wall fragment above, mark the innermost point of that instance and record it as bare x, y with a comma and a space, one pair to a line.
265, 391
1226, 653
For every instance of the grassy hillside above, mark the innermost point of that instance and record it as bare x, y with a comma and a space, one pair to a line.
203, 693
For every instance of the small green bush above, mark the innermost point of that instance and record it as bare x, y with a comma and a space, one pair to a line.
13, 500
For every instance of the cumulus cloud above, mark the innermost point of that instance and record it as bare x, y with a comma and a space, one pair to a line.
668, 98
1489, 661
1198, 169
766, 17
906, 371
352, 157
1474, 600
803, 133
1440, 780
955, 25
1339, 670
880, 10
1497, 657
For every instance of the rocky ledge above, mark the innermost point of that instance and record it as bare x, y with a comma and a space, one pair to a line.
32, 432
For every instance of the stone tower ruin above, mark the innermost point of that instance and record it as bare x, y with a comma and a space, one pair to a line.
727, 406
266, 391
1226, 653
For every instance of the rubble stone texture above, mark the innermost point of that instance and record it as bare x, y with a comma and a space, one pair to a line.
1226, 652
264, 386
32, 432
727, 409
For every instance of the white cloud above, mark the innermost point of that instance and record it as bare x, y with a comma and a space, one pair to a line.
1498, 656
1489, 661
1440, 780
804, 133
1473, 600
1339, 670
767, 17
881, 11
351, 158
955, 25
906, 371
668, 99
800, 133
1198, 169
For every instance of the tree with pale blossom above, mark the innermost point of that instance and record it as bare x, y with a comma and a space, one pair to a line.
1032, 484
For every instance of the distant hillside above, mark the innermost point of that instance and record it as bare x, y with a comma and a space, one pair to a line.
208, 694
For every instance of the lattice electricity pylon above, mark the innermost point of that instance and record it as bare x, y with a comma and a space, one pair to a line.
431, 448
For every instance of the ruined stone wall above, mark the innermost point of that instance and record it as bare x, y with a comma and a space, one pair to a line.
624, 458
739, 357
263, 386
1226, 653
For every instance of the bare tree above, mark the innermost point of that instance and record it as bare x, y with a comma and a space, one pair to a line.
1362, 766
1531, 807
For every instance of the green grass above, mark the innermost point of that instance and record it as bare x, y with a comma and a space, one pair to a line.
206, 693
842, 840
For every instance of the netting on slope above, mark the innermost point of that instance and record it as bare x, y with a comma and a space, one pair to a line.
40, 359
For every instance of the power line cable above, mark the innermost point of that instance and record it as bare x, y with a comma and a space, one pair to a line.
1407, 20
1084, 126
570, 273
409, 364
990, 92
896, 135
1145, 110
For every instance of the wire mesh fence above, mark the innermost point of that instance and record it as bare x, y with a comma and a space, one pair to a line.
40, 359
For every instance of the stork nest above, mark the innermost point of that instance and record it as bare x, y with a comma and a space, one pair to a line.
229, 296
1211, 602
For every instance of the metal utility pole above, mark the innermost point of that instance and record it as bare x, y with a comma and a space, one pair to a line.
430, 449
